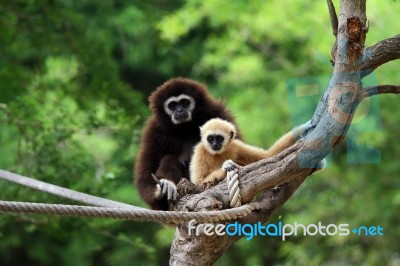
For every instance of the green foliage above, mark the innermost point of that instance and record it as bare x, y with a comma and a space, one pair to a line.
74, 77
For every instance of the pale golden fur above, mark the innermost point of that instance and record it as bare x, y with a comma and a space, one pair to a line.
206, 164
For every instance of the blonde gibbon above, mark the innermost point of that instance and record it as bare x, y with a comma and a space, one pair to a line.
218, 144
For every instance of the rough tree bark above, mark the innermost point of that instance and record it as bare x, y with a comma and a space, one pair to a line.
329, 124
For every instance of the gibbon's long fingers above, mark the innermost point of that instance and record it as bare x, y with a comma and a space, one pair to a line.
168, 189
164, 187
170, 193
229, 165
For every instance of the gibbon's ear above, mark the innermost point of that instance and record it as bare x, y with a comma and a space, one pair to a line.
232, 134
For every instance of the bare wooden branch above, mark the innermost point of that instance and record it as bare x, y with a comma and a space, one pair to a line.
272, 199
379, 54
380, 89
334, 24
333, 16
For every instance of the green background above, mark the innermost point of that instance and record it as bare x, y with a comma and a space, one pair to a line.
74, 81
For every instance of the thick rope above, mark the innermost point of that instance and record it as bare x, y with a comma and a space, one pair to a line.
107, 208
232, 178
175, 217
63, 192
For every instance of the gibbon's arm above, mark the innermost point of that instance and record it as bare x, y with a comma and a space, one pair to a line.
216, 175
281, 144
146, 164
247, 154
286, 140
155, 157
153, 160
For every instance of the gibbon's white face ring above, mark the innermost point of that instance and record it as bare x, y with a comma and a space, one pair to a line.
207, 145
177, 99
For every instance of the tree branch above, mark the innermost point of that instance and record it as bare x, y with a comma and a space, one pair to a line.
379, 54
380, 89
334, 24
273, 199
333, 16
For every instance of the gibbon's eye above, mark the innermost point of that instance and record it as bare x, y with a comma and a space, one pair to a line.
210, 139
172, 105
185, 103
220, 138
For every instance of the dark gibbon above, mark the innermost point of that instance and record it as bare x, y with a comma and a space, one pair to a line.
179, 107
218, 148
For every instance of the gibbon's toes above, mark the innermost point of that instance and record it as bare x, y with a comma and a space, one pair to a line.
208, 185
321, 165
300, 130
229, 165
205, 186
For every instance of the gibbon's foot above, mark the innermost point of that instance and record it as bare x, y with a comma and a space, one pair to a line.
168, 189
321, 165
229, 165
299, 131
207, 185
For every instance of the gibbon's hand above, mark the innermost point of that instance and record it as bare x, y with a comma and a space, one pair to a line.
166, 188
229, 165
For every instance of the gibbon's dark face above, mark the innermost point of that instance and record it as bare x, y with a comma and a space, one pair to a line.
215, 141
183, 103
180, 108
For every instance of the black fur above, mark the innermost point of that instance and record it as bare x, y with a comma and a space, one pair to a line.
163, 142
